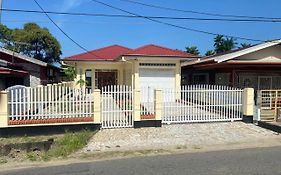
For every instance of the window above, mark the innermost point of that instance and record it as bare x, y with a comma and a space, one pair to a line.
88, 75
201, 78
222, 79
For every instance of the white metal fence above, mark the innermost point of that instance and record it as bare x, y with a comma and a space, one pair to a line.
202, 103
49, 102
117, 106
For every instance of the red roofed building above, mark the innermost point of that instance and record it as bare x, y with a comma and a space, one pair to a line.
147, 66
18, 69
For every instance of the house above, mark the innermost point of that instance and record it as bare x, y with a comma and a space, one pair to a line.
149, 66
258, 66
18, 69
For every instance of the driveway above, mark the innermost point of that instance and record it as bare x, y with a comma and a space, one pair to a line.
179, 136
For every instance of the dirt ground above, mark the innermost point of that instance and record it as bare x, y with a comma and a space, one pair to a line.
177, 135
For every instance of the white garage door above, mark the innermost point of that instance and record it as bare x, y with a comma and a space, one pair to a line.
151, 79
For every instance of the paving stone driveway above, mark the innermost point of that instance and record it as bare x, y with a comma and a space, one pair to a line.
177, 134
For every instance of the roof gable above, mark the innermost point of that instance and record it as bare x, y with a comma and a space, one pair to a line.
108, 53
232, 54
154, 50
241, 52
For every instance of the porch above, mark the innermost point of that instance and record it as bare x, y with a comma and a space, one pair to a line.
258, 76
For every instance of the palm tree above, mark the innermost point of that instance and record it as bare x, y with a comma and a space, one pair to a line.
193, 50
245, 45
210, 52
223, 44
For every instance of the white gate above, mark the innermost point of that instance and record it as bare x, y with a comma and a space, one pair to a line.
202, 103
117, 106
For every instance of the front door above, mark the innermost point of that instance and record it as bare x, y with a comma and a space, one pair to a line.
105, 78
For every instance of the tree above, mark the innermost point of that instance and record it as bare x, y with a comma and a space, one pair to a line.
32, 40
223, 44
193, 50
245, 45
69, 71
210, 52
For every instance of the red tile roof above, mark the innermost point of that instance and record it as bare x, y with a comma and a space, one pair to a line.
111, 53
154, 50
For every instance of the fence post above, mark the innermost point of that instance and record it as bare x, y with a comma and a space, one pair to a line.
136, 105
97, 106
158, 104
248, 105
3, 109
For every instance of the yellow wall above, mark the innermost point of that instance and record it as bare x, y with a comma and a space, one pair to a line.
128, 71
82, 67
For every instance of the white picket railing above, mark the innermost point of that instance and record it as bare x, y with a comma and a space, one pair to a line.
147, 101
49, 102
202, 103
117, 106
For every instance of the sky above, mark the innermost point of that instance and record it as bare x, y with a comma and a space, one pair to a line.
97, 32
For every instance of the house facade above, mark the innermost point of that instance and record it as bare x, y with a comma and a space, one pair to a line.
18, 69
258, 66
149, 66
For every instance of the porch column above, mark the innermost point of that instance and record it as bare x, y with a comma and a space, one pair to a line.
97, 106
136, 105
158, 104
248, 105
136, 76
3, 109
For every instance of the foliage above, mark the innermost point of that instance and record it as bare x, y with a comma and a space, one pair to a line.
31, 40
245, 45
210, 52
69, 71
81, 82
69, 143
193, 50
223, 44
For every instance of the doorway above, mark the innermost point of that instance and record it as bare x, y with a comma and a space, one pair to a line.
105, 78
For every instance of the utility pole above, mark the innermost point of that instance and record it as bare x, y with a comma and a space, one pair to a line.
1, 11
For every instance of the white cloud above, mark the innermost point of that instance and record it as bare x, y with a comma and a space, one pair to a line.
70, 4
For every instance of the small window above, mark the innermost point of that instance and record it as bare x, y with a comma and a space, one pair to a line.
88, 75
200, 78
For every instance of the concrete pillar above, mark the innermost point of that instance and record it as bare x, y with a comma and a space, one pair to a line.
158, 103
248, 105
136, 105
3, 109
97, 106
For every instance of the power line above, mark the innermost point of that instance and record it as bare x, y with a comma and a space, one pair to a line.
198, 12
141, 16
174, 25
83, 48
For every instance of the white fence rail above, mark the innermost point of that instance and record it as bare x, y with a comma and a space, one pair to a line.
49, 102
202, 103
117, 106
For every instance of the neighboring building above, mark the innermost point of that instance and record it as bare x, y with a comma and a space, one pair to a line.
148, 66
18, 69
258, 66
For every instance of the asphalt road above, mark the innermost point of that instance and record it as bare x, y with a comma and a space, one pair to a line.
260, 161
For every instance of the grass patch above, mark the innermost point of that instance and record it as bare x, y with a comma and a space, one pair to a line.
3, 161
68, 144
